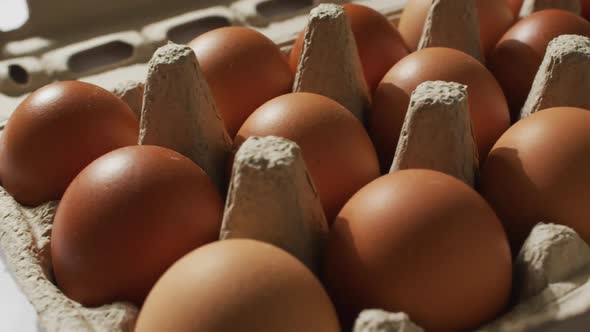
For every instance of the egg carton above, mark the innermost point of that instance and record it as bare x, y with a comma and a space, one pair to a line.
105, 43
552, 271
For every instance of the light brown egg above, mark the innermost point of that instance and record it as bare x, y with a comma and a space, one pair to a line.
379, 43
238, 285
423, 243
336, 148
495, 18
538, 172
244, 70
519, 53
55, 132
126, 218
487, 104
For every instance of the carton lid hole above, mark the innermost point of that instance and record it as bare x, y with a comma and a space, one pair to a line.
184, 33
100, 56
18, 74
272, 8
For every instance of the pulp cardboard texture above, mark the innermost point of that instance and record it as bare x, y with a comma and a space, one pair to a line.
563, 79
531, 6
437, 120
179, 112
109, 43
270, 172
453, 24
329, 64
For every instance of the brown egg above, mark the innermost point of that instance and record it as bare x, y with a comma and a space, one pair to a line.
238, 285
411, 22
495, 18
585, 8
515, 6
55, 133
336, 148
537, 172
126, 218
519, 53
244, 70
487, 104
379, 43
423, 243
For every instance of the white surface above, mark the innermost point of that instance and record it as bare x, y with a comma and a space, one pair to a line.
16, 313
13, 14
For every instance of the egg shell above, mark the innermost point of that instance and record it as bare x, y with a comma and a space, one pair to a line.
423, 243
585, 8
515, 6
336, 148
126, 218
537, 172
518, 55
495, 18
55, 132
244, 70
379, 43
238, 285
487, 105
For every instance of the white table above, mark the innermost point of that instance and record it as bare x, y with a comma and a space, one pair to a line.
16, 313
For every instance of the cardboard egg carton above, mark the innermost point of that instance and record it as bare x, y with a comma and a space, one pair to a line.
552, 272
106, 44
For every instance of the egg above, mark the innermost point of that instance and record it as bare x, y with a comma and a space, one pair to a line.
495, 18
238, 285
55, 132
585, 8
518, 55
379, 43
335, 146
537, 172
126, 218
423, 243
487, 105
244, 69
515, 6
